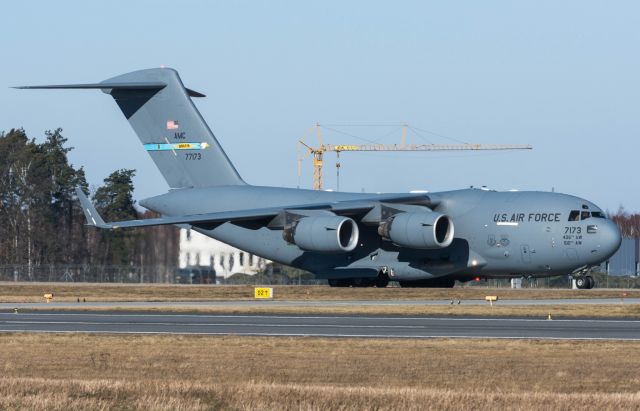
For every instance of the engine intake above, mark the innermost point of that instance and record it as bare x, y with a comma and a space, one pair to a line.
323, 234
418, 230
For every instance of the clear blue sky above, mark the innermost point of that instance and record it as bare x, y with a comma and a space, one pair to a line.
560, 75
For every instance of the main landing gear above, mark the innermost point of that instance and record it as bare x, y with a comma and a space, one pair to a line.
431, 283
381, 281
585, 282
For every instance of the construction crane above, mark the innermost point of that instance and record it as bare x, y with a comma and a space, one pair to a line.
317, 153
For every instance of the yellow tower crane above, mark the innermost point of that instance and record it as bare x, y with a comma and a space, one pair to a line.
317, 153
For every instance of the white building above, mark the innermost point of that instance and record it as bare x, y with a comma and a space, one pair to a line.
199, 250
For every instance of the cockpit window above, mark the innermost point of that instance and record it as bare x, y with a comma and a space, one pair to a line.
574, 215
598, 214
584, 215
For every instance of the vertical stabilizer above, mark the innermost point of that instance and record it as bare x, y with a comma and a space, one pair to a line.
172, 131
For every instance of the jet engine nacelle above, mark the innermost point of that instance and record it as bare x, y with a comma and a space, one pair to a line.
323, 234
428, 230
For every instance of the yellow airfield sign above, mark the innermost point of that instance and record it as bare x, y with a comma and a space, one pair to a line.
263, 292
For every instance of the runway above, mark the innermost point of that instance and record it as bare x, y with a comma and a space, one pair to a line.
307, 303
319, 326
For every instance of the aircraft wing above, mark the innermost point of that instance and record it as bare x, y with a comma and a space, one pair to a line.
350, 207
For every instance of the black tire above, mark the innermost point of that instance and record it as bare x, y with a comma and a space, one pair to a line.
339, 283
382, 280
590, 282
582, 283
433, 283
446, 283
362, 282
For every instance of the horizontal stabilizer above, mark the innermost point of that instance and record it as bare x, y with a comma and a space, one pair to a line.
193, 93
105, 85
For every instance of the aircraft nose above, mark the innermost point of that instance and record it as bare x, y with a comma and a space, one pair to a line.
610, 238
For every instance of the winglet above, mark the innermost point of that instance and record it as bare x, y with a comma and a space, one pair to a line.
90, 213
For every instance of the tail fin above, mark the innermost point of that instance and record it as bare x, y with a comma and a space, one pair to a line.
160, 110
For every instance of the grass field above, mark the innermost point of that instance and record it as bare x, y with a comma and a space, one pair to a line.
60, 372
33, 292
64, 292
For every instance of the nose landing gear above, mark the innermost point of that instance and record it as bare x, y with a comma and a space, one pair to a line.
585, 282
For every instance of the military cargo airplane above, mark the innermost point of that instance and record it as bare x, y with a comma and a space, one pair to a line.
350, 239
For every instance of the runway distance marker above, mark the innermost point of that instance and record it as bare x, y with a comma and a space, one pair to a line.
263, 292
491, 299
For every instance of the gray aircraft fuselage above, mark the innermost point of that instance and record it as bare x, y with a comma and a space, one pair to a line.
497, 234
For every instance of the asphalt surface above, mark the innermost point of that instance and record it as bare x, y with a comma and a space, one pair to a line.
319, 326
311, 303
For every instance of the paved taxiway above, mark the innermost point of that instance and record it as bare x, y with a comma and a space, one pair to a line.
306, 303
319, 326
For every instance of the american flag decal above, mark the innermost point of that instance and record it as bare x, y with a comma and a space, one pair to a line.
172, 125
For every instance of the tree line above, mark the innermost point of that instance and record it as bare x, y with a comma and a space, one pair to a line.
629, 224
42, 227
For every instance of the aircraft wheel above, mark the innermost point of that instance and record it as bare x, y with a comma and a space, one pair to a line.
431, 283
582, 283
382, 280
445, 283
339, 283
590, 282
363, 282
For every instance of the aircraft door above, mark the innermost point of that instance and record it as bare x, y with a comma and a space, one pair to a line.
525, 253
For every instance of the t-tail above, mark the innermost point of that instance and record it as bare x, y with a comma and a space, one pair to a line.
160, 110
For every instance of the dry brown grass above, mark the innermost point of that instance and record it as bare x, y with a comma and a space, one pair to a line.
39, 393
58, 372
33, 292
